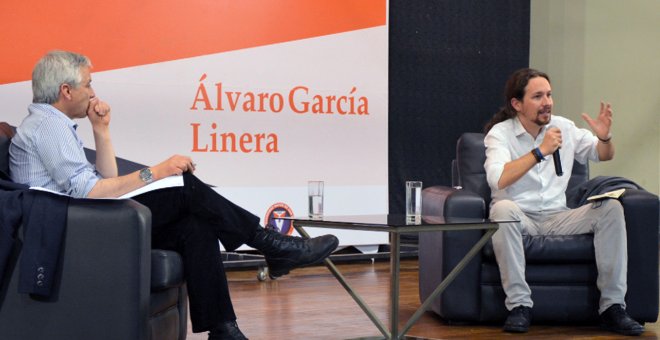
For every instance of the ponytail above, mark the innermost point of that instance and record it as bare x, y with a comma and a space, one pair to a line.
514, 88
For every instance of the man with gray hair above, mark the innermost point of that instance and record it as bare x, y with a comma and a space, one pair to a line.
47, 152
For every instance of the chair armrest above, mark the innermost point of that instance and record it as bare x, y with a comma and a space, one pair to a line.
451, 202
102, 286
166, 269
439, 252
434, 198
642, 211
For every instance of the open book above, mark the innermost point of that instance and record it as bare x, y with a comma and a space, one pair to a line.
611, 194
167, 182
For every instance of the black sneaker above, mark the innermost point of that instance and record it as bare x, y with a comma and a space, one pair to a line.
227, 331
518, 320
616, 319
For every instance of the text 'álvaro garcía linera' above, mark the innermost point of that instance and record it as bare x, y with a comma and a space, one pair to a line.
298, 100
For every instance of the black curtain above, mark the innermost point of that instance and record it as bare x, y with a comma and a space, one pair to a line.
448, 62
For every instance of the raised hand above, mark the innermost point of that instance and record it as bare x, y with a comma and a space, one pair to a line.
602, 124
98, 112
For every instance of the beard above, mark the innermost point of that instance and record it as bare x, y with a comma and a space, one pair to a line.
540, 121
543, 116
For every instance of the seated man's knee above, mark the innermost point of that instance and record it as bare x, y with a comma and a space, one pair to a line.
504, 209
611, 212
612, 207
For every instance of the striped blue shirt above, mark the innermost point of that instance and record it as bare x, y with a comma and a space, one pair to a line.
47, 152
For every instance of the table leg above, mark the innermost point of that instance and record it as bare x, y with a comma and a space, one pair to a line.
363, 305
447, 280
395, 247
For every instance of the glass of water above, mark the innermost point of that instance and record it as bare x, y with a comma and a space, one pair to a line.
315, 198
413, 199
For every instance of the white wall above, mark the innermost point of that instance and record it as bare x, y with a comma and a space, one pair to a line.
606, 50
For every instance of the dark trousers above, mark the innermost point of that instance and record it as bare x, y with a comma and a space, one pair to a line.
190, 220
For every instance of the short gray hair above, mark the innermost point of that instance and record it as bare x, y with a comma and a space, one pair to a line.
54, 69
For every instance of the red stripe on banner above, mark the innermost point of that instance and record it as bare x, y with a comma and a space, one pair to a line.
118, 34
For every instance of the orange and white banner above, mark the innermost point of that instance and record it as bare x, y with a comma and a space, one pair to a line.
264, 94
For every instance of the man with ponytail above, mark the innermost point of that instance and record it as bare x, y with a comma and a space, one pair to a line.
525, 186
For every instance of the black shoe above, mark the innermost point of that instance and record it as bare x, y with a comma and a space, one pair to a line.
616, 319
227, 331
284, 253
518, 320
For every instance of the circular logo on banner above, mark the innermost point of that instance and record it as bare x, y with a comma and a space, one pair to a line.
274, 219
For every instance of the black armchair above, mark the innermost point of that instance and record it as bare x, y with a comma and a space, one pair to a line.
560, 270
111, 284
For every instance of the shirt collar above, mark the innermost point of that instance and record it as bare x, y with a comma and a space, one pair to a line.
47, 109
519, 129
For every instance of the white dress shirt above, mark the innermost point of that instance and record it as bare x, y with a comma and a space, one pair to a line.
540, 189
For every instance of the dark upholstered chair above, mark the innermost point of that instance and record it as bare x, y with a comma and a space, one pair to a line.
560, 270
111, 284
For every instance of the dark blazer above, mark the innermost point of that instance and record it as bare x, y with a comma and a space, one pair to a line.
43, 217
597, 186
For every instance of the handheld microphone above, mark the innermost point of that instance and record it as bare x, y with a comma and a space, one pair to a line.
557, 160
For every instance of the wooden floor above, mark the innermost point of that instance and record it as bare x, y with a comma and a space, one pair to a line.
310, 304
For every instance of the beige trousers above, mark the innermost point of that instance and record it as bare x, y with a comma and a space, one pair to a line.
604, 219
